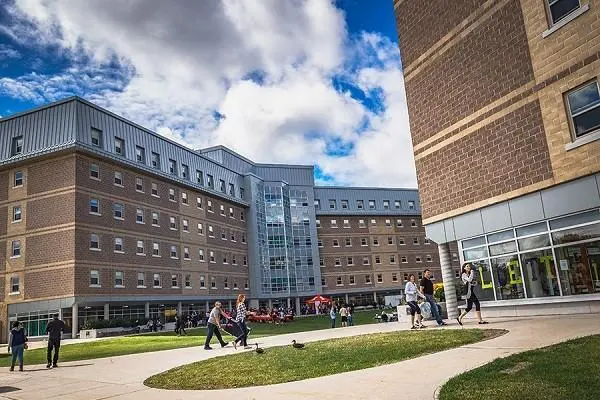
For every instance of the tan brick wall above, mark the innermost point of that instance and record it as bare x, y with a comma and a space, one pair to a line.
50, 175
53, 282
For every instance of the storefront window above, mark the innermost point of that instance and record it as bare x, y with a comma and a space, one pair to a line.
579, 268
539, 273
534, 242
484, 289
507, 278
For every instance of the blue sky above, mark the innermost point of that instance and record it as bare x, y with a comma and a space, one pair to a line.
322, 77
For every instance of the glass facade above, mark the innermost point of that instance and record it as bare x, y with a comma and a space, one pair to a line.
558, 257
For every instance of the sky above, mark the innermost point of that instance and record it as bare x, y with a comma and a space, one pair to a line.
278, 81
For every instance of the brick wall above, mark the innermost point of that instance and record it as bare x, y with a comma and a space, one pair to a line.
50, 211
50, 247
50, 175
502, 156
49, 283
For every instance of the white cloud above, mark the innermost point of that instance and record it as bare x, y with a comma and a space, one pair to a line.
187, 59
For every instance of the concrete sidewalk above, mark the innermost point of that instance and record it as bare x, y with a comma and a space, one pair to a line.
122, 377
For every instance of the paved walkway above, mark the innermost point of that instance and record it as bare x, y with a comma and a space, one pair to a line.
121, 378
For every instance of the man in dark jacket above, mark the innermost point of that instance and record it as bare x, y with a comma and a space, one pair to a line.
54, 331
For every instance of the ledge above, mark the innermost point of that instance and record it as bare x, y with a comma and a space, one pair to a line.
582, 141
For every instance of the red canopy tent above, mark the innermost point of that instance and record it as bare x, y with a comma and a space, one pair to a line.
318, 298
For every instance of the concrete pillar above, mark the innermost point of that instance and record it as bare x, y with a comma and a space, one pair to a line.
230, 305
289, 303
448, 279
298, 309
375, 297
179, 309
207, 306
270, 304
60, 314
106, 311
75, 322
147, 310
346, 298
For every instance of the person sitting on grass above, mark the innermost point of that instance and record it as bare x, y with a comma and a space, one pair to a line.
214, 323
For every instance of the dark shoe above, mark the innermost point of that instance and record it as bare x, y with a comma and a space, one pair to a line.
458, 320
224, 344
21, 368
442, 324
247, 347
54, 366
12, 368
483, 322
48, 365
413, 327
207, 348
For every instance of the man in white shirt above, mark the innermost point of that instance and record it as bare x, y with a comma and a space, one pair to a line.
344, 315
214, 323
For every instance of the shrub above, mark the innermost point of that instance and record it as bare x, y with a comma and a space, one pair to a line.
113, 323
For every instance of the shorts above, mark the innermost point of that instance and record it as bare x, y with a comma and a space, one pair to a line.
344, 319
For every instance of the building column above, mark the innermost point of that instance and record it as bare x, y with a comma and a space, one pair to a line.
207, 306
75, 321
448, 280
270, 304
230, 305
106, 311
347, 298
298, 309
375, 297
147, 310
289, 303
179, 309
60, 314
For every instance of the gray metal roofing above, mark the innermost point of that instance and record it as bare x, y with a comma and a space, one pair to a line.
379, 195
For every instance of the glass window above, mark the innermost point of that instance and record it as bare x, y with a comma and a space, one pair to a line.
332, 204
360, 204
577, 219
139, 249
96, 137
411, 205
479, 241
185, 172
576, 234
94, 241
94, 171
94, 278
118, 210
139, 184
534, 242
141, 279
507, 278
18, 178
94, 206
140, 154
539, 273
199, 177
503, 248
118, 179
386, 204
172, 167
397, 204
210, 181
118, 278
344, 204
371, 204
155, 160
154, 189
120, 146
222, 185
579, 268
156, 280
17, 145
559, 9
17, 214
532, 229
16, 248
500, 236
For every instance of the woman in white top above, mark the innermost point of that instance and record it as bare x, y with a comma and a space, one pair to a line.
412, 293
468, 279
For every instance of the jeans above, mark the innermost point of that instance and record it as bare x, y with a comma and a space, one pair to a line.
350, 320
333, 322
244, 339
17, 353
213, 330
53, 344
434, 308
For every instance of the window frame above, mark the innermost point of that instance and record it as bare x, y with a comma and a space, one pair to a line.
571, 116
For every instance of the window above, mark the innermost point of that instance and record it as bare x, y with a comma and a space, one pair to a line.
199, 177
373, 222
242, 193
401, 241
140, 154
141, 280
186, 253
386, 204
172, 223
211, 232
375, 241
338, 281
94, 278
172, 194
210, 181
232, 190
223, 235
96, 135
379, 278
157, 281
155, 250
118, 210
428, 258
120, 146
334, 223
202, 282
188, 281
363, 242
233, 259
94, 171
185, 172
185, 225
415, 241
199, 202
346, 223
411, 205
584, 109
332, 204
118, 245
94, 206
418, 259
231, 213
17, 145
318, 223
16, 248
397, 204
211, 256
184, 198
404, 260
427, 241
200, 228
360, 204
394, 277
392, 259
18, 178
119, 279
155, 160
457, 273
413, 223
242, 217
317, 204
349, 261
366, 260
455, 258
139, 248
351, 280
173, 252
338, 262
388, 223
139, 216
155, 219
213, 283
371, 204
406, 276
245, 262
377, 260
559, 9
336, 243
17, 214
118, 179
348, 242
222, 210
361, 223
209, 206
201, 255
155, 190
344, 204
222, 185
367, 279
321, 262
390, 240
172, 166
323, 282
232, 236
139, 185
94, 242
319, 242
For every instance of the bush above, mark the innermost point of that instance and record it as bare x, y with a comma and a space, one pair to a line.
113, 323
438, 292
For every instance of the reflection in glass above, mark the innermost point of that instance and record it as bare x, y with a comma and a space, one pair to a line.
507, 278
576, 234
474, 254
503, 248
579, 268
539, 273
532, 229
484, 289
534, 242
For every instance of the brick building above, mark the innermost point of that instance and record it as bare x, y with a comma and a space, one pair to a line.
104, 219
503, 103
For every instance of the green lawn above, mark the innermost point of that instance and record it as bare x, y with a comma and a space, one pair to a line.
166, 340
566, 371
286, 364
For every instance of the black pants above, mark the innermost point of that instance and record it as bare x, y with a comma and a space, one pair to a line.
53, 344
473, 300
244, 338
213, 330
414, 308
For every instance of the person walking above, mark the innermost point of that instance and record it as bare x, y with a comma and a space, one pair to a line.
412, 294
54, 330
344, 316
214, 323
426, 290
350, 312
468, 279
332, 316
17, 343
240, 319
